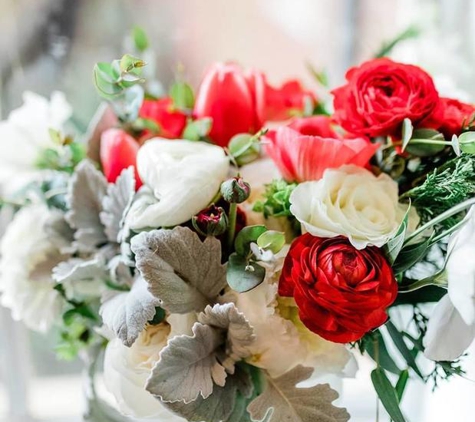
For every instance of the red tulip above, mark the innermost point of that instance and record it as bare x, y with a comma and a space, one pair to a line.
118, 152
229, 97
171, 121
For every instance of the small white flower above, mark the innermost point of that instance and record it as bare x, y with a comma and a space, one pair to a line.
180, 177
25, 134
27, 260
352, 202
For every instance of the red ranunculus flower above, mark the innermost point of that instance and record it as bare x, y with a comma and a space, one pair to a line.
455, 116
342, 293
380, 94
118, 152
307, 147
171, 121
240, 102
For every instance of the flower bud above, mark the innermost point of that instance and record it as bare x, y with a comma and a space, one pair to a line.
211, 221
244, 148
235, 190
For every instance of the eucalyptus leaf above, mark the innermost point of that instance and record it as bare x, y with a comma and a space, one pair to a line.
188, 367
246, 236
197, 129
185, 273
282, 401
140, 38
86, 192
423, 149
182, 95
387, 394
116, 203
243, 276
127, 313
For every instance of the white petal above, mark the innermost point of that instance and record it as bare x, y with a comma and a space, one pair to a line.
184, 177
447, 335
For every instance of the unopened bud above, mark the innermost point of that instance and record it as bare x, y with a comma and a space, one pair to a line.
211, 221
235, 190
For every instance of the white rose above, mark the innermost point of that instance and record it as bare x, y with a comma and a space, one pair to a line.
25, 134
350, 202
180, 177
27, 259
126, 369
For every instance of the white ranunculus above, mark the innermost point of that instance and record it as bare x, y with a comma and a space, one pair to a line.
349, 201
460, 268
282, 341
180, 177
126, 369
27, 259
25, 134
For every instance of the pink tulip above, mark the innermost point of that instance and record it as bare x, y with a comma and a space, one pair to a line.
118, 152
302, 157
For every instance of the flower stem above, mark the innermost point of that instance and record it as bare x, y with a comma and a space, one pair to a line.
232, 224
439, 279
449, 213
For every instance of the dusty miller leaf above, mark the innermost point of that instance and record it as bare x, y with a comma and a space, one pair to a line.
76, 269
127, 313
86, 191
239, 333
284, 402
60, 232
224, 405
188, 367
182, 271
116, 203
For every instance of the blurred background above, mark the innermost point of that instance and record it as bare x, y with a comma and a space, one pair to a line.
48, 45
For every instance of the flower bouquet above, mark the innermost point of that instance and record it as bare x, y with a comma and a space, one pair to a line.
230, 247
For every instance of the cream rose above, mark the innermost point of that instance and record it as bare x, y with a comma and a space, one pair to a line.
27, 260
126, 369
350, 202
180, 177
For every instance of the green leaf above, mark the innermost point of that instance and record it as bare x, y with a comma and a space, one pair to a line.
382, 355
243, 275
407, 129
197, 129
410, 255
271, 240
394, 246
410, 32
467, 142
182, 96
402, 347
401, 384
128, 63
423, 149
246, 236
387, 394
140, 38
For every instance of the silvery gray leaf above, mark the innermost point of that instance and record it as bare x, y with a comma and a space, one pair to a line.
188, 367
239, 333
60, 232
119, 272
117, 202
86, 192
127, 313
221, 405
182, 271
81, 278
282, 401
